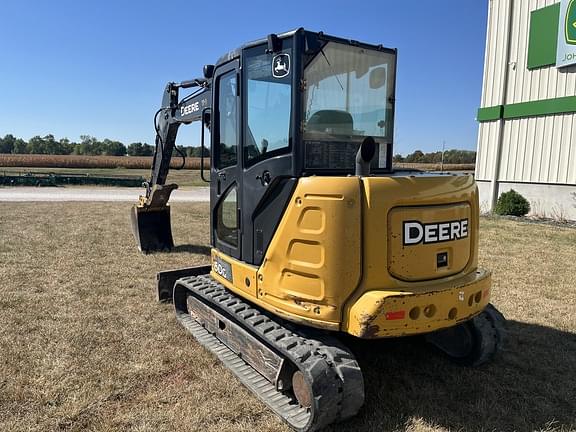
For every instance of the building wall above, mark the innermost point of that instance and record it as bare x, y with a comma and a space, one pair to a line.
533, 149
523, 84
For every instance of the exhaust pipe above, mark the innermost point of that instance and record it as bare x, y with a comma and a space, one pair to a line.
364, 156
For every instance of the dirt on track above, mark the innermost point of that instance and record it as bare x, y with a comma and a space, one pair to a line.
85, 346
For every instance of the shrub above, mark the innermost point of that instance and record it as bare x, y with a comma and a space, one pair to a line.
512, 203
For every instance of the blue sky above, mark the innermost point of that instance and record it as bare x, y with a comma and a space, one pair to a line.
99, 68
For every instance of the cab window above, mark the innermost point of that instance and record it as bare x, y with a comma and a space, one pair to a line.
227, 121
268, 104
227, 218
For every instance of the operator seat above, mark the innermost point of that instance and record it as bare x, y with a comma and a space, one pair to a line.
335, 122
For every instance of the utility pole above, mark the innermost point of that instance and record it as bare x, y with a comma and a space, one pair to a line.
442, 162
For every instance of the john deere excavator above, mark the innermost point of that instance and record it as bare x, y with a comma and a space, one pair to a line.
313, 233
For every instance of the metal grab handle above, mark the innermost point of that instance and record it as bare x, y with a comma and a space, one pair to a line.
265, 178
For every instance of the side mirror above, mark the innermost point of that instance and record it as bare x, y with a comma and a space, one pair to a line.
206, 118
377, 78
208, 71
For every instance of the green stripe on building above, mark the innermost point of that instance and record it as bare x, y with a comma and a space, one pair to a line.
543, 39
489, 113
543, 107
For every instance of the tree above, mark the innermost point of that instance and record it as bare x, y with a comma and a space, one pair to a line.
88, 146
134, 149
37, 145
450, 157
66, 146
196, 151
147, 150
19, 146
113, 148
7, 143
416, 157
140, 149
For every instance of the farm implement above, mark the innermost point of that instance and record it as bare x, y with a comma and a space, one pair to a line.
60, 179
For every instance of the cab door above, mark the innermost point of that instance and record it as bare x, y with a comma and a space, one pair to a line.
225, 179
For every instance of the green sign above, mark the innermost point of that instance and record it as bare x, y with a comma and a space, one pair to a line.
566, 49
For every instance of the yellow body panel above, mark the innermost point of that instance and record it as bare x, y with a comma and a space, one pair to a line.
243, 275
381, 195
313, 262
339, 261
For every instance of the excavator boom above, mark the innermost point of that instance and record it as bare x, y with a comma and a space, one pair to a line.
150, 218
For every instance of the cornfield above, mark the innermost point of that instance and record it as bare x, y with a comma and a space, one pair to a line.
145, 162
76, 161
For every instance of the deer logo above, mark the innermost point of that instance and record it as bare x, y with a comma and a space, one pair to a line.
280, 65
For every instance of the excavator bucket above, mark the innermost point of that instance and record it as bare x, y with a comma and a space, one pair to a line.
152, 229
151, 220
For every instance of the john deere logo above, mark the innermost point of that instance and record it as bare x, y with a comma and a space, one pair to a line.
281, 66
570, 23
566, 34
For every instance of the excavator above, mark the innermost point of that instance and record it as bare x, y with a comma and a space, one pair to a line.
314, 234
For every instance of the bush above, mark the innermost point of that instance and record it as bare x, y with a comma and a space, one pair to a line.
512, 203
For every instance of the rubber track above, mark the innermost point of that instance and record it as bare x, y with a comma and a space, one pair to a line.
335, 377
491, 326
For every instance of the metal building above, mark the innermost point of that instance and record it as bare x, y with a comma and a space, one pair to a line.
527, 132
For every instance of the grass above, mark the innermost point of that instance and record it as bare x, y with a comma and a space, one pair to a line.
85, 346
185, 177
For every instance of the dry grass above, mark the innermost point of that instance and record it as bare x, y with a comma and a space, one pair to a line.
84, 345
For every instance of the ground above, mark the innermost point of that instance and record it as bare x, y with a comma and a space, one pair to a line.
85, 346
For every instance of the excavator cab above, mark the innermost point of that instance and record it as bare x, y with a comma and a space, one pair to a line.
313, 233
285, 107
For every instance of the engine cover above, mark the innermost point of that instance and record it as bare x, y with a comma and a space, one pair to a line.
428, 242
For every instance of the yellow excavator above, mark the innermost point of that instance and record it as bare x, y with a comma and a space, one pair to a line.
313, 233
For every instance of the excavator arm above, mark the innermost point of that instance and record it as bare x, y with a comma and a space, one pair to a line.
151, 215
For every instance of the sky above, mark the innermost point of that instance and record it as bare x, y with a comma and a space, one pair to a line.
99, 67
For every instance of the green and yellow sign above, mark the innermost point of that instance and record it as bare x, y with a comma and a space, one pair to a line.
566, 49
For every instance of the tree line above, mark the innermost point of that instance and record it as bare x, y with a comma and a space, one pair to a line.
88, 146
450, 157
